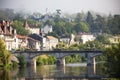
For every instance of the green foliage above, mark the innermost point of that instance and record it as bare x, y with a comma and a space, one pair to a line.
81, 22
61, 45
45, 61
89, 18
22, 62
103, 39
5, 75
75, 59
94, 45
19, 28
4, 55
14, 64
113, 61
74, 47
114, 24
80, 17
81, 27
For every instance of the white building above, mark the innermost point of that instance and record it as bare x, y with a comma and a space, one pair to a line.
86, 37
46, 29
115, 39
49, 42
68, 39
33, 29
8, 34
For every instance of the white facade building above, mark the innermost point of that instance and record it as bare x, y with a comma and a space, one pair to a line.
87, 37
46, 29
8, 34
49, 42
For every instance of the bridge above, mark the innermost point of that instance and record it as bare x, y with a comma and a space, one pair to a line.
30, 56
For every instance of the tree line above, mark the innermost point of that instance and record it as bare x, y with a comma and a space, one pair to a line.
65, 24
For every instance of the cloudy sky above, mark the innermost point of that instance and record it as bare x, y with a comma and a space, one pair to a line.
69, 6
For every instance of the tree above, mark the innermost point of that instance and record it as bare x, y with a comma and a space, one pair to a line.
4, 54
79, 17
89, 20
81, 27
19, 28
22, 62
113, 60
103, 39
114, 24
100, 25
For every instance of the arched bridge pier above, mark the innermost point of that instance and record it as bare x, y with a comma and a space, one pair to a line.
30, 56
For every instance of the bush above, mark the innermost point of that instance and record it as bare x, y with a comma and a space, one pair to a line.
22, 62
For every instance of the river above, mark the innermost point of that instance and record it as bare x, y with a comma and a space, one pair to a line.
71, 71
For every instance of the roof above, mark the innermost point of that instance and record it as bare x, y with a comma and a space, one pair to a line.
36, 37
51, 37
33, 26
32, 39
22, 37
26, 25
5, 28
26, 37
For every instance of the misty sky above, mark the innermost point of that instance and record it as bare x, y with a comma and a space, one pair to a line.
69, 6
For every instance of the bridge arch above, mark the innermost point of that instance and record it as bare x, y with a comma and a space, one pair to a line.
60, 55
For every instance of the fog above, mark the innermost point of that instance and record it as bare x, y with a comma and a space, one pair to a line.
69, 6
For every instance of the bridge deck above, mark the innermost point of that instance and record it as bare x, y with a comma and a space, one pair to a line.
63, 51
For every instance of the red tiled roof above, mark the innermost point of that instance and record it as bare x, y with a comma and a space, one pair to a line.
51, 37
22, 37
26, 37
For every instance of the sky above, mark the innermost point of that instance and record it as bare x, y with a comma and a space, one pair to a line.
67, 6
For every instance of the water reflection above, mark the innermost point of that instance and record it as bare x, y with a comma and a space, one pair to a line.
5, 75
50, 71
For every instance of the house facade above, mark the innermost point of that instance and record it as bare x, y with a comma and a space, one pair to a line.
85, 37
14, 41
31, 28
115, 39
28, 43
51, 42
8, 34
46, 29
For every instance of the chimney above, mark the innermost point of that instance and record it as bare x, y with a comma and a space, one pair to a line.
10, 29
14, 32
7, 23
5, 29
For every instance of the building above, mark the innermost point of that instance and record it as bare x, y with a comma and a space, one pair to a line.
65, 39
8, 34
32, 28
51, 42
26, 42
38, 39
22, 41
115, 39
46, 29
68, 39
14, 41
85, 37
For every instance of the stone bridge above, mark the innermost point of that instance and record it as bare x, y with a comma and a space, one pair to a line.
30, 56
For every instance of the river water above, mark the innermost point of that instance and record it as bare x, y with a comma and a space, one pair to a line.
72, 71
